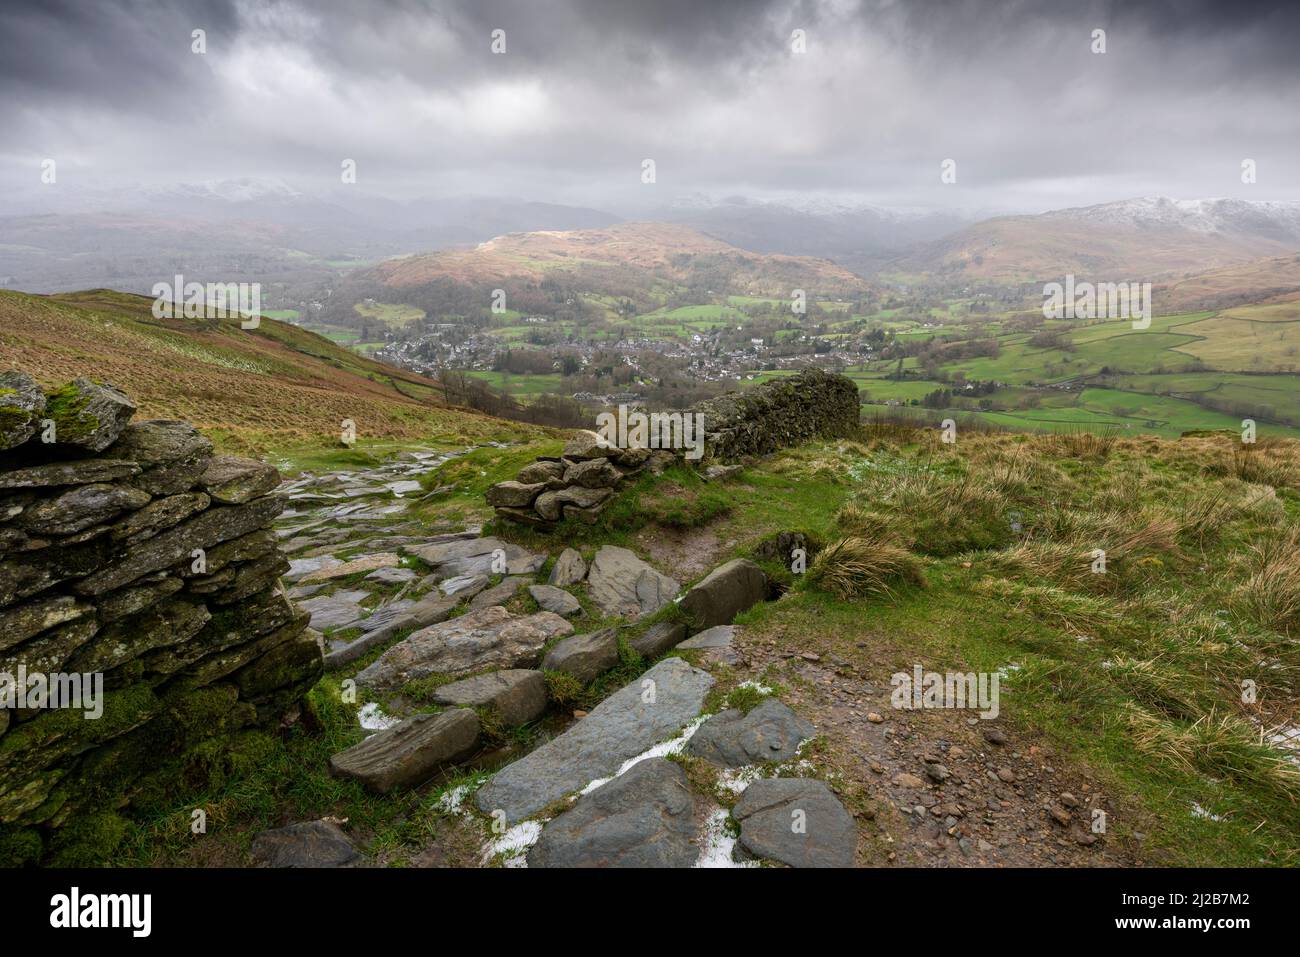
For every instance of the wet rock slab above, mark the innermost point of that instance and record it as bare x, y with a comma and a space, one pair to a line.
724, 593
476, 641
645, 712
770, 732
555, 600
584, 656
411, 752
477, 556
643, 818
622, 584
658, 638
796, 821
517, 695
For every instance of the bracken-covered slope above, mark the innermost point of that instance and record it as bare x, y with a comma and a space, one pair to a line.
604, 257
265, 388
1140, 239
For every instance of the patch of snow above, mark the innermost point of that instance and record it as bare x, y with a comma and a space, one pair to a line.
716, 845
1287, 737
373, 718
661, 750
1198, 811
452, 801
513, 845
736, 780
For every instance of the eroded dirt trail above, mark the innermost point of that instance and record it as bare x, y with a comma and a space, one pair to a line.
938, 790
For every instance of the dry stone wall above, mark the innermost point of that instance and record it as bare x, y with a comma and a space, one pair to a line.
779, 414
580, 482
130, 554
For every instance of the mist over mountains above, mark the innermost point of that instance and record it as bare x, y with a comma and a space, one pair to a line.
267, 230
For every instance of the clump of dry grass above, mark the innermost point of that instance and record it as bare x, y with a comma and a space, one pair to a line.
1066, 544
1271, 596
1155, 684
1074, 613
1222, 745
943, 512
1082, 445
1204, 515
856, 520
1015, 469
1262, 465
857, 567
1265, 462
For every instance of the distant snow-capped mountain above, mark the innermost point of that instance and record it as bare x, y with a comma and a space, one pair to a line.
1147, 237
1198, 215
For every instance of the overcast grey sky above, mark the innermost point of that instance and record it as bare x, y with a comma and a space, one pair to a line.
712, 91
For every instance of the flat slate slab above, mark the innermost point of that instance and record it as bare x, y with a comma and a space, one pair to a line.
339, 610
719, 636
517, 695
569, 569
476, 556
584, 656
640, 715
643, 818
658, 638
411, 752
476, 641
796, 821
622, 584
770, 732
556, 600
499, 594
366, 563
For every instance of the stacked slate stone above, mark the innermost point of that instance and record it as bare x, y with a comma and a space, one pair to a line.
577, 485
779, 414
133, 551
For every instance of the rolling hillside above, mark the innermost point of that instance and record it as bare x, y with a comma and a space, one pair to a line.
669, 251
625, 269
1139, 239
1239, 284
270, 389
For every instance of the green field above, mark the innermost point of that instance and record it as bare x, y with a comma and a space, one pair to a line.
520, 386
392, 314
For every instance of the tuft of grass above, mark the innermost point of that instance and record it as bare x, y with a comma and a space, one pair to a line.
1219, 744
1271, 596
859, 567
1081, 444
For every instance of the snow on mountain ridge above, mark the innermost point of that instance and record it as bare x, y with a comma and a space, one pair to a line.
1198, 215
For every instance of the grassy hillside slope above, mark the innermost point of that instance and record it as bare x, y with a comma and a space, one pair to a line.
275, 388
666, 250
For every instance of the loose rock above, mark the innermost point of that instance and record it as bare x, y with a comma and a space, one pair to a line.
622, 584
410, 753
517, 695
556, 600
584, 656
309, 844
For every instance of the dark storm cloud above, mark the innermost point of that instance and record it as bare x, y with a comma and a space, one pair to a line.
122, 56
709, 89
